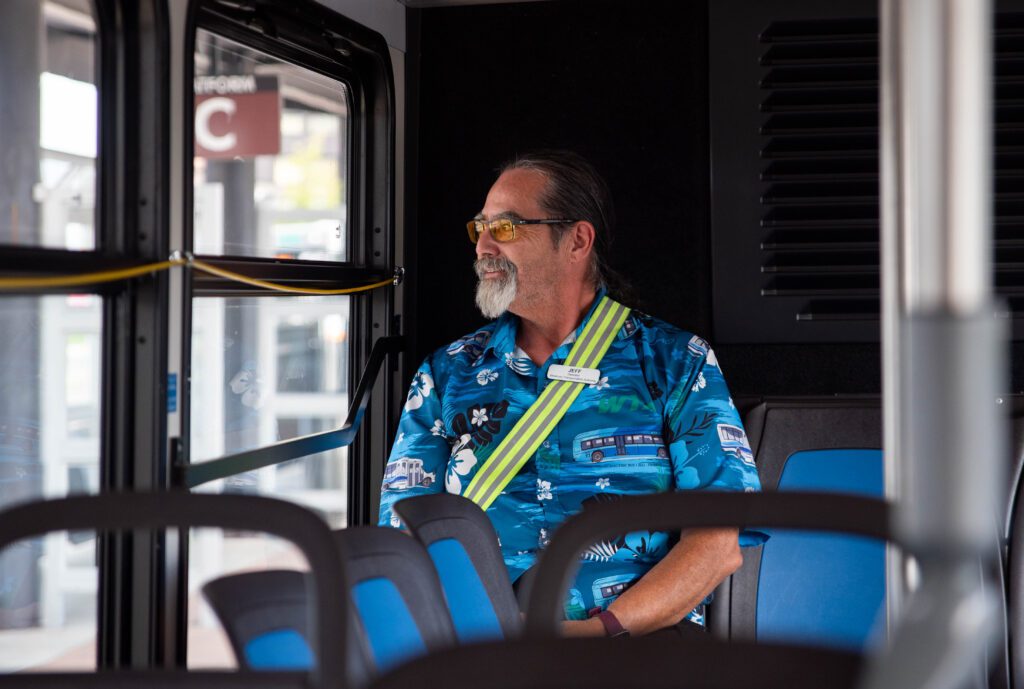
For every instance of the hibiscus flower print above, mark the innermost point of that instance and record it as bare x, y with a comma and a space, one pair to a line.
459, 465
599, 385
438, 428
481, 421
247, 384
700, 384
543, 490
486, 376
422, 386
603, 483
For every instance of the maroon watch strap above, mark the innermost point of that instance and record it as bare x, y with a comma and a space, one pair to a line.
612, 626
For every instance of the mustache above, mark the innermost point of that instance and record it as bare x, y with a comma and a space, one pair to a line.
489, 264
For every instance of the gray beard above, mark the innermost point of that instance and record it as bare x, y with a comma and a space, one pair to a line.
494, 297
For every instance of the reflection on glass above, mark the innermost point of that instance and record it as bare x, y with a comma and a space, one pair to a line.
271, 163
256, 361
49, 447
48, 171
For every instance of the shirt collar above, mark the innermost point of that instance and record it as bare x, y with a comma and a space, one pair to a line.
503, 341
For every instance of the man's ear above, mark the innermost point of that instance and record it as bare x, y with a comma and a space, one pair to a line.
581, 241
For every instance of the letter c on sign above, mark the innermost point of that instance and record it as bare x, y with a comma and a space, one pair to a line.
206, 138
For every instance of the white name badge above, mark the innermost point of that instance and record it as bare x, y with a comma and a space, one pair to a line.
574, 374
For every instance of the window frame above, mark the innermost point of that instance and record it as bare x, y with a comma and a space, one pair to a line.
309, 35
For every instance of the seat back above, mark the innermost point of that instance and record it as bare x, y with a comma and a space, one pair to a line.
541, 659
397, 597
264, 615
651, 662
339, 668
813, 587
824, 588
848, 514
464, 548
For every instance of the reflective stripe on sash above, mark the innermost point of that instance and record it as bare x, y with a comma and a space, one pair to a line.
543, 415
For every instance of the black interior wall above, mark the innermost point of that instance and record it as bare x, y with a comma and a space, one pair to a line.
625, 84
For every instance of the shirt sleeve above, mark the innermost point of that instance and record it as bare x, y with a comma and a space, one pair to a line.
420, 453
709, 447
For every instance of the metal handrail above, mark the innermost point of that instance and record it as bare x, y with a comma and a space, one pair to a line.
188, 475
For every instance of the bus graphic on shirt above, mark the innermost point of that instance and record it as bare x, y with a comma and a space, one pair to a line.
734, 441
406, 473
607, 589
618, 443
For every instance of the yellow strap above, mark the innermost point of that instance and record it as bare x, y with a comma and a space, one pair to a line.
540, 419
88, 278
103, 276
238, 277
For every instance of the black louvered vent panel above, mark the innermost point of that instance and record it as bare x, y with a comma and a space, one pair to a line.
819, 150
793, 112
819, 153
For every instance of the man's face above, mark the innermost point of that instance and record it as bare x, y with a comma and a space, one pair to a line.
517, 276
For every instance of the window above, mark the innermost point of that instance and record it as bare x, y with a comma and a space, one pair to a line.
50, 383
49, 176
271, 181
266, 370
271, 165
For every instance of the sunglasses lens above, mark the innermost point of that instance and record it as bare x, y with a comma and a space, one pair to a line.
503, 230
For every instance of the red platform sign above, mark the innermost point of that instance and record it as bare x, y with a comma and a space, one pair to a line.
237, 116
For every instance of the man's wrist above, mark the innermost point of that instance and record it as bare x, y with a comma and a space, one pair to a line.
612, 626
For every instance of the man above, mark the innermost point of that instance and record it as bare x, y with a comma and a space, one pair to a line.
656, 417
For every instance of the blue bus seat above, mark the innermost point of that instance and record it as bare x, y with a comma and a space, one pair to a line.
824, 588
264, 616
324, 626
801, 587
464, 548
396, 594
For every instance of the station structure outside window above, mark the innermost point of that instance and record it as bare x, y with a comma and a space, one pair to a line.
50, 344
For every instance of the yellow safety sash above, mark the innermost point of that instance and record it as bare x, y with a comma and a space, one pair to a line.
543, 415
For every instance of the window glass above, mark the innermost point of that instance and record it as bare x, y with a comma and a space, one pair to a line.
49, 447
266, 369
48, 603
271, 155
48, 171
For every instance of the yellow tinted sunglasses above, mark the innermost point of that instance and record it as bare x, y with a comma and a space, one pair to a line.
504, 229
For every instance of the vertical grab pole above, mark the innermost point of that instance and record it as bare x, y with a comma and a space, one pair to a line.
944, 352
890, 195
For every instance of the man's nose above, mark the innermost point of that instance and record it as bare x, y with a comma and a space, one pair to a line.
486, 246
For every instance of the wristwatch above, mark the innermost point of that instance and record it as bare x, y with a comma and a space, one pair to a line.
612, 626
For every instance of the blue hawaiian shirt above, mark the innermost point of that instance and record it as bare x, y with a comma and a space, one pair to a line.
659, 418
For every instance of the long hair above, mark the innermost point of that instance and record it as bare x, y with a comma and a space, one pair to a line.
577, 191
